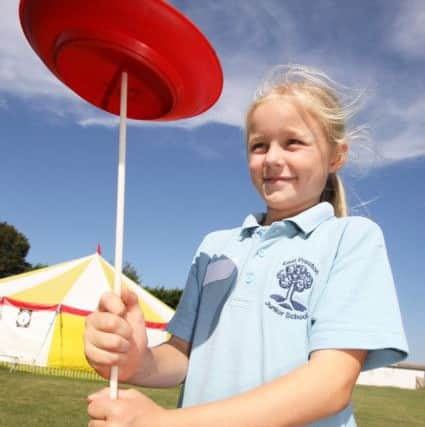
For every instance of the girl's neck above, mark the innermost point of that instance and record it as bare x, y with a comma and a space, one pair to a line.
273, 215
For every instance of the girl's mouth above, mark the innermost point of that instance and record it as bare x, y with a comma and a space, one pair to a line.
276, 179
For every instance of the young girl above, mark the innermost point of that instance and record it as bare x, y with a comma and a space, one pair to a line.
279, 315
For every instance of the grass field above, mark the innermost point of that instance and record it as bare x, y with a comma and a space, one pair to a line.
43, 401
389, 407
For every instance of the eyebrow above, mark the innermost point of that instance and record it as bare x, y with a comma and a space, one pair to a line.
290, 133
302, 135
255, 137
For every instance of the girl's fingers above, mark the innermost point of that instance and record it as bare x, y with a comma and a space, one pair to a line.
98, 405
131, 302
102, 357
107, 322
104, 392
107, 341
111, 303
128, 297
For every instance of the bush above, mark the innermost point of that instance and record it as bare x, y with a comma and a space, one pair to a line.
171, 297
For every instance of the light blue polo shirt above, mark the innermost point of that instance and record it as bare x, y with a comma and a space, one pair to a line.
260, 299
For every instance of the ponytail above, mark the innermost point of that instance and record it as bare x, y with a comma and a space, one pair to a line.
334, 193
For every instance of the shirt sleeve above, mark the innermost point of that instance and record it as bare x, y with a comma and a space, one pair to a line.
358, 306
183, 322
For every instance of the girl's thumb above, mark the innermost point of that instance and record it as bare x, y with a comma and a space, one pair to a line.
129, 298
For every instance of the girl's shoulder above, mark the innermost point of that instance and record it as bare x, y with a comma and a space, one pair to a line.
358, 224
218, 238
356, 232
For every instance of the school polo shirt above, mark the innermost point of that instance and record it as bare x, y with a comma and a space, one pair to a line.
259, 300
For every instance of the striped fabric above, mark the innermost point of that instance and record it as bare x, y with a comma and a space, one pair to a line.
42, 313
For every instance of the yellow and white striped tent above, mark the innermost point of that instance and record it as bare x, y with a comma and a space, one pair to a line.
42, 313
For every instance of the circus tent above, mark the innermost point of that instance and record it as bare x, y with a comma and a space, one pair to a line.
42, 313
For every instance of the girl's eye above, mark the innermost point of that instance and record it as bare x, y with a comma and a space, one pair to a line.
258, 147
294, 142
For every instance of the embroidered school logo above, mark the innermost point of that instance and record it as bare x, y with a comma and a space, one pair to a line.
295, 277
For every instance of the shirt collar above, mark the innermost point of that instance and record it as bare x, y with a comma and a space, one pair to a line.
311, 218
306, 221
252, 221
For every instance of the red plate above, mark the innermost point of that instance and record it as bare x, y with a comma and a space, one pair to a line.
173, 72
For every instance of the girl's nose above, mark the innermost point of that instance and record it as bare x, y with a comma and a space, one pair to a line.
275, 155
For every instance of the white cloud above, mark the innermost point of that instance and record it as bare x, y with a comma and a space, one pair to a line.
407, 145
107, 121
21, 72
249, 37
399, 130
408, 33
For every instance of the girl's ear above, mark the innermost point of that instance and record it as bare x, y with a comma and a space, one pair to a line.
339, 157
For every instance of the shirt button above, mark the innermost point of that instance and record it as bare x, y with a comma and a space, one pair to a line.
249, 278
260, 252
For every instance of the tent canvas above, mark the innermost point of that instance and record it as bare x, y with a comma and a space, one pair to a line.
42, 313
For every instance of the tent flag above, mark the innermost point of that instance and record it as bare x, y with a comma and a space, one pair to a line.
42, 313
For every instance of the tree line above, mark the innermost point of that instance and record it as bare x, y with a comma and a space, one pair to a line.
14, 247
171, 297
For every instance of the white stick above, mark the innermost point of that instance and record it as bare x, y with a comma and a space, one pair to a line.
119, 230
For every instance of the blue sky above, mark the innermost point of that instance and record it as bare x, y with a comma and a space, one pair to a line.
184, 179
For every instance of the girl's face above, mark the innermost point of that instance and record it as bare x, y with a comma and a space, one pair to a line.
289, 157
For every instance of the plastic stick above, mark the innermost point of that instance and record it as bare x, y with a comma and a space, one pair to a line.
119, 230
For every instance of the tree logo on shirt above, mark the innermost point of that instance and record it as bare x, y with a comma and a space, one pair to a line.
294, 277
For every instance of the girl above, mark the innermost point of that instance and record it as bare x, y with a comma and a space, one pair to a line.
278, 316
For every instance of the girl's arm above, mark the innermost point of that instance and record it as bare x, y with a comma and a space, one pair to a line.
319, 389
316, 390
164, 365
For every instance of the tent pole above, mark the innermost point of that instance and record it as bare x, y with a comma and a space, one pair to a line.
119, 231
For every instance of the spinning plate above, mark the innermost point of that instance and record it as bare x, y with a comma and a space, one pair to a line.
173, 72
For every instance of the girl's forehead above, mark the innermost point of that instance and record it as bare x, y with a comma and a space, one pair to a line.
296, 105
286, 114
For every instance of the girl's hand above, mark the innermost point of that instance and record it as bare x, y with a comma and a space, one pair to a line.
131, 409
115, 335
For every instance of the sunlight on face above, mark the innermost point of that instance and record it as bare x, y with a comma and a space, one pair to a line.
289, 157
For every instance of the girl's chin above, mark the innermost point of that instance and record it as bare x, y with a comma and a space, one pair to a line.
279, 201
289, 206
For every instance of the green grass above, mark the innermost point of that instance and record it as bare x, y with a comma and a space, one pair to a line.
46, 401
389, 407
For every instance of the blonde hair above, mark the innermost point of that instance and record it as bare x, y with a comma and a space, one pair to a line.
330, 103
